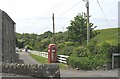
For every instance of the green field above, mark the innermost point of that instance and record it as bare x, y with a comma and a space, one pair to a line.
109, 35
45, 61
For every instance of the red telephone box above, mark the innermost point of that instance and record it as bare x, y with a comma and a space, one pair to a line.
52, 53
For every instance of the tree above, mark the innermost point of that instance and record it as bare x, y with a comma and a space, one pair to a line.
77, 31
47, 34
20, 43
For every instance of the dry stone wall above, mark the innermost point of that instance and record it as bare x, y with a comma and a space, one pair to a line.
35, 70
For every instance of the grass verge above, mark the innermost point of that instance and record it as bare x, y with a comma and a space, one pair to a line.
43, 60
39, 59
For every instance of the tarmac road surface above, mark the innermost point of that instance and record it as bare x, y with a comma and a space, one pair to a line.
82, 73
24, 57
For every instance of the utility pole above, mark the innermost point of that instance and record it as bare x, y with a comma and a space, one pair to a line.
53, 28
88, 28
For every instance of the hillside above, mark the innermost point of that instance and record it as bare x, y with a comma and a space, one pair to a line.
40, 42
108, 34
90, 57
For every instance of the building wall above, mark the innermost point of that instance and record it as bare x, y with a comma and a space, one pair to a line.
8, 42
0, 35
0, 40
119, 14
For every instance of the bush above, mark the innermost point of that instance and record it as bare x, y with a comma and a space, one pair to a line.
93, 47
77, 52
67, 50
80, 62
85, 63
75, 44
93, 56
116, 49
60, 46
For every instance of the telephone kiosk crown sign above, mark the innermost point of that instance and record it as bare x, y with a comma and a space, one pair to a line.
52, 53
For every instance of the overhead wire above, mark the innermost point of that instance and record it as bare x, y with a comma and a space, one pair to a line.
44, 28
103, 13
77, 5
56, 5
62, 14
69, 9
48, 12
66, 11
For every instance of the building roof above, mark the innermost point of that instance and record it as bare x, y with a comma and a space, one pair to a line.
4, 13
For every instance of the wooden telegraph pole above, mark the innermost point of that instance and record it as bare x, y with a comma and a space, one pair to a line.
53, 28
88, 28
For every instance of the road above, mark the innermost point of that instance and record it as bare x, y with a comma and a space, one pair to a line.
24, 57
72, 73
82, 73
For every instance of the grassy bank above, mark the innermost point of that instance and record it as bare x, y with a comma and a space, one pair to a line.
43, 60
109, 35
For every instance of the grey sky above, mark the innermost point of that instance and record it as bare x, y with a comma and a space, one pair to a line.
35, 15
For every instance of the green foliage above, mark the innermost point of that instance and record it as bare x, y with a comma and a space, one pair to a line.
94, 55
43, 60
62, 66
108, 35
59, 37
29, 47
25, 39
47, 34
93, 46
42, 45
87, 63
77, 31
75, 44
84, 63
61, 46
36, 42
39, 59
20, 43
67, 48
116, 49
77, 51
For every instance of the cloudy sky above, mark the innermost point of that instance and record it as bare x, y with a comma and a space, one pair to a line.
34, 16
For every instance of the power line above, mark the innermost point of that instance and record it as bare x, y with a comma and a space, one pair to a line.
70, 9
56, 5
103, 13
62, 14
43, 28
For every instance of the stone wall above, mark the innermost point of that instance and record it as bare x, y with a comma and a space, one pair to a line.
7, 38
119, 14
0, 40
35, 70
